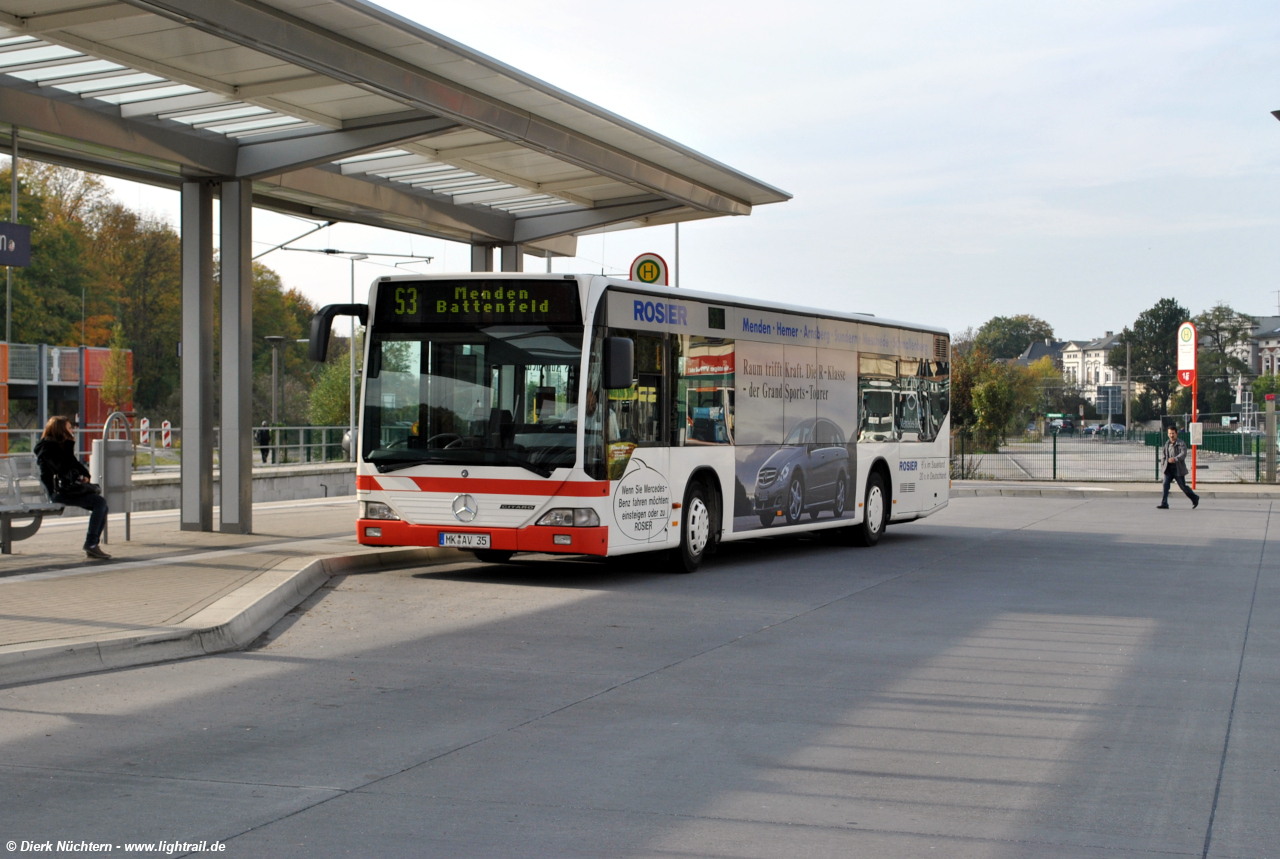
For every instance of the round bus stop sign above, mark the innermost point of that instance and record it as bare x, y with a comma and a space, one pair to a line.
649, 268
1186, 354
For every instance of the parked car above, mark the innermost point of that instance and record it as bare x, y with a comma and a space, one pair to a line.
1062, 426
810, 472
1105, 429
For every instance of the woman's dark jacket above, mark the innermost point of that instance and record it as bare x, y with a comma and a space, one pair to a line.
59, 466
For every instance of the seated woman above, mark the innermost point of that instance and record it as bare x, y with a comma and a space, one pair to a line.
65, 476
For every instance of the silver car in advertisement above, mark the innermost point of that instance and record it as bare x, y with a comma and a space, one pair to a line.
811, 472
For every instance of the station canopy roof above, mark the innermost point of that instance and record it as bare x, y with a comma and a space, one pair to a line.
342, 110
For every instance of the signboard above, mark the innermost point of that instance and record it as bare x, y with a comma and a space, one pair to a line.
1110, 400
1186, 354
649, 268
412, 306
1197, 434
15, 245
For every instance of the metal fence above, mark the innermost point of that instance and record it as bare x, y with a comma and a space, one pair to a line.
286, 445
1225, 457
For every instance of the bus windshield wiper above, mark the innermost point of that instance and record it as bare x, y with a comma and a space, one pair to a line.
510, 459
384, 466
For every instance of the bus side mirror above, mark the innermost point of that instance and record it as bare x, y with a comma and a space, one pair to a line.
322, 323
619, 362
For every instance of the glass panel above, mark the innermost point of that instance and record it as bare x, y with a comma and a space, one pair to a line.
635, 413
705, 390
877, 411
504, 395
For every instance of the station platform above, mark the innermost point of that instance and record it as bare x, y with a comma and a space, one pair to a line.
167, 593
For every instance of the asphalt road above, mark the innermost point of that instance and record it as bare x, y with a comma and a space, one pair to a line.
1013, 677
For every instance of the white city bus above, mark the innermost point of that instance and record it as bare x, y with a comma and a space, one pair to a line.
580, 414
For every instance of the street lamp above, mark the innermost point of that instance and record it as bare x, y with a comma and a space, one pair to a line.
276, 342
352, 392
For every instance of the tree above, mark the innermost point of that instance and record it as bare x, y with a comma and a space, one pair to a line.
117, 387
1263, 385
331, 396
1152, 340
1009, 336
994, 403
1224, 334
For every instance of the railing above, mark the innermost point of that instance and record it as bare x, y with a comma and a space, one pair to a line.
24, 362
286, 445
1225, 457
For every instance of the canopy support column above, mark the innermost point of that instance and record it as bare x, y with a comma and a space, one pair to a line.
482, 257
512, 258
197, 357
235, 450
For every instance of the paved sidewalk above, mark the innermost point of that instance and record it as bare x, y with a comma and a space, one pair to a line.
166, 593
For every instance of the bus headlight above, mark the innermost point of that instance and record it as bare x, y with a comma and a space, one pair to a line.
570, 517
376, 510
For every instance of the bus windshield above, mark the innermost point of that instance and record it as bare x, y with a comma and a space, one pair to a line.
497, 395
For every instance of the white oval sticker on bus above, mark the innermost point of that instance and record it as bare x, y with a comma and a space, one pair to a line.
642, 502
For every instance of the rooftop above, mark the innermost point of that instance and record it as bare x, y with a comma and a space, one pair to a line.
340, 109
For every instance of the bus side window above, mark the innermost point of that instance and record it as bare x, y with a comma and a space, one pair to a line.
639, 409
705, 392
877, 412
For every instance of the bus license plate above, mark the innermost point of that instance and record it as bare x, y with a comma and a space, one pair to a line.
464, 541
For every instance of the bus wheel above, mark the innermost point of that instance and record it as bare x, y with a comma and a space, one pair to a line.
695, 530
842, 496
875, 513
795, 500
493, 556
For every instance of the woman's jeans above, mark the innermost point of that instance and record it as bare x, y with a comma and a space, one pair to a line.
97, 507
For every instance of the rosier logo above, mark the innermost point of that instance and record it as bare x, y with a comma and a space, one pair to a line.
908, 465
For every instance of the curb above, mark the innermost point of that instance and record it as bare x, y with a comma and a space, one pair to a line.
230, 623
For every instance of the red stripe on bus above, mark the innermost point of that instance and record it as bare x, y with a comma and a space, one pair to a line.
571, 489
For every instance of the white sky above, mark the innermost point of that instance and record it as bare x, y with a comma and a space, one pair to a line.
949, 162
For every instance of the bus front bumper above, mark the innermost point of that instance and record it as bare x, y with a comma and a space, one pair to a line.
535, 538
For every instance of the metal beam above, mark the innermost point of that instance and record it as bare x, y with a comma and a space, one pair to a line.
236, 440
482, 257
33, 24
280, 35
338, 194
196, 491
100, 132
280, 156
535, 227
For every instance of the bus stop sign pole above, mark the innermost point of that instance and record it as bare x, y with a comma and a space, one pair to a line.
1187, 342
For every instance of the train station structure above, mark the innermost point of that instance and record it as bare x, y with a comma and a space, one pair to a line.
336, 110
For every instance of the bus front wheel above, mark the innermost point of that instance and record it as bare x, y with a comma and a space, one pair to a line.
875, 513
696, 529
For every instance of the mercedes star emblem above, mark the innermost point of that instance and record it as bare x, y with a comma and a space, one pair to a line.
464, 508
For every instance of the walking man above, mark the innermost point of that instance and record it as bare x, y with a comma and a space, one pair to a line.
262, 436
1175, 468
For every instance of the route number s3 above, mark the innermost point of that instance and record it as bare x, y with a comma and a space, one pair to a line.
411, 306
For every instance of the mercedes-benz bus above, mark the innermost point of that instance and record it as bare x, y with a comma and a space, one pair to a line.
587, 415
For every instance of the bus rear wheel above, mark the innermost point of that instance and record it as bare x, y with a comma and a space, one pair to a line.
493, 556
875, 513
696, 529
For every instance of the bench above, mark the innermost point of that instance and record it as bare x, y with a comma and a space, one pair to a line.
22, 496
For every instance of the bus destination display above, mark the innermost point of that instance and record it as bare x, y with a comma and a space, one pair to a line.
453, 303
